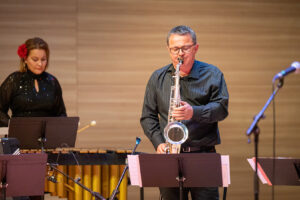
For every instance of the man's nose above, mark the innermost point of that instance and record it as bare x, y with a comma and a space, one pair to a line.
180, 52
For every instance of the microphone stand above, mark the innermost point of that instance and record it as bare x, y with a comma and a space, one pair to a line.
43, 139
255, 130
180, 178
116, 190
94, 194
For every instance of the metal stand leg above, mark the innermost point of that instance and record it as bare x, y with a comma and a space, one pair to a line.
141, 193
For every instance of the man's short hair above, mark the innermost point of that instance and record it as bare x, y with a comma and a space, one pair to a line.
182, 30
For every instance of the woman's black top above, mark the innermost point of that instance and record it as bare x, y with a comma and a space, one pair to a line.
18, 93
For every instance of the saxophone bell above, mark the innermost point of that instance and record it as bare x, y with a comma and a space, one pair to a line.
176, 133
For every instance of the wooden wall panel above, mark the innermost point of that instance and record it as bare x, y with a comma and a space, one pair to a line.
103, 53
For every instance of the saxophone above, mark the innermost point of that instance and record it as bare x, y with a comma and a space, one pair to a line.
175, 133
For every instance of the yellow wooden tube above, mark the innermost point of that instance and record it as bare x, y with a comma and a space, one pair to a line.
51, 185
96, 178
52, 188
71, 173
46, 185
77, 188
123, 185
46, 180
113, 177
105, 181
65, 194
61, 191
87, 181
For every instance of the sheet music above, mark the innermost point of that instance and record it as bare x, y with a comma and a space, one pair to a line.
134, 170
261, 174
225, 170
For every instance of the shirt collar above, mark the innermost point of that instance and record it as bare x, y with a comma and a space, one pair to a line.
194, 73
35, 76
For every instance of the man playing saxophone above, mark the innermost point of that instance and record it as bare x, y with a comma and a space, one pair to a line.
203, 103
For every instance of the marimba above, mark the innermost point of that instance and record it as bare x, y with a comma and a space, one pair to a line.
99, 170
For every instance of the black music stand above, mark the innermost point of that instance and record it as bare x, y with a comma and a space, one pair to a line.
285, 173
44, 132
22, 175
177, 170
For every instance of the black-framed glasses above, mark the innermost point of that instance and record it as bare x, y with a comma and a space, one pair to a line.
184, 49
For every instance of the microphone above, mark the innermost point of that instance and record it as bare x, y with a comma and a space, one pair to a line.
295, 66
137, 142
52, 179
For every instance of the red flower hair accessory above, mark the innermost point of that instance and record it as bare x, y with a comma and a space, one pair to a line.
22, 51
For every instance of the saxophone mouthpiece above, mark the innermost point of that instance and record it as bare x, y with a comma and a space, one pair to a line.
180, 60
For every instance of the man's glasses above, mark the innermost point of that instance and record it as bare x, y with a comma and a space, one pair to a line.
184, 49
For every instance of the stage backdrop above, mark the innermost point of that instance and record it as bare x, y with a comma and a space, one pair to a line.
103, 53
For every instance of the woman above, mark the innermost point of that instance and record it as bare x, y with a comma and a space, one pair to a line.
31, 91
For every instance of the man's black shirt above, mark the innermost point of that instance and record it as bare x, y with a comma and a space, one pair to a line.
204, 89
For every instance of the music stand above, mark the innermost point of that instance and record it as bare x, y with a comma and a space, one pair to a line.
44, 132
285, 173
177, 170
22, 175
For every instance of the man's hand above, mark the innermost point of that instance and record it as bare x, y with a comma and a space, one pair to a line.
161, 148
184, 112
